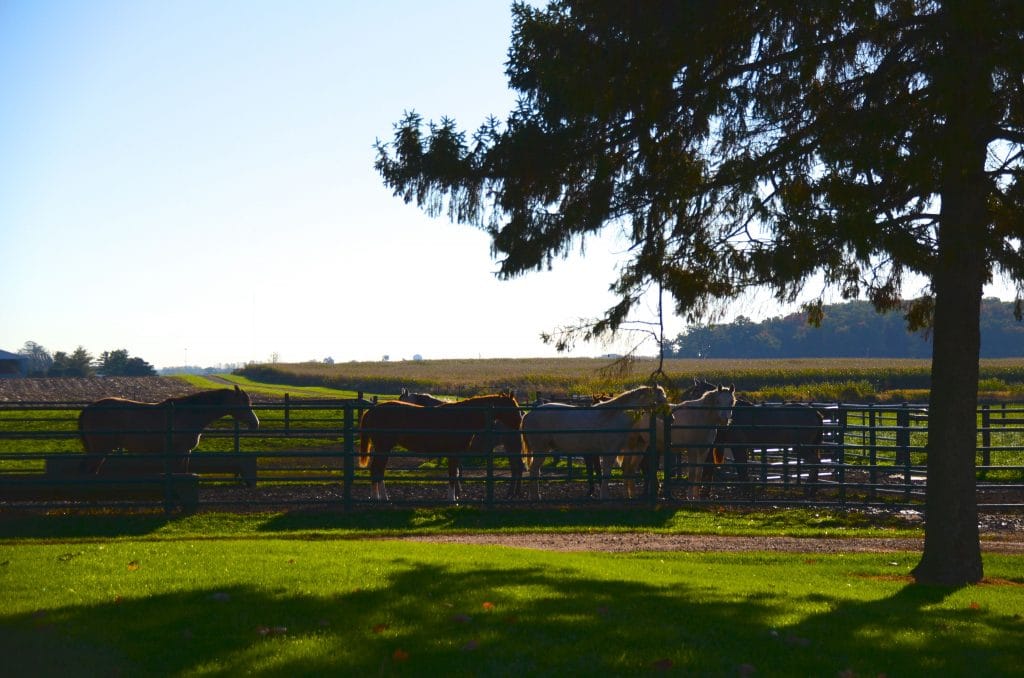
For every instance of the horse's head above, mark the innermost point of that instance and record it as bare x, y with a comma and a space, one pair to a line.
723, 400
699, 388
240, 407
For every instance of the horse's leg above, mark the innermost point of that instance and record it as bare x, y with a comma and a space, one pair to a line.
692, 473
377, 465
628, 470
515, 468
92, 463
588, 468
538, 459
453, 480
811, 456
607, 462
739, 464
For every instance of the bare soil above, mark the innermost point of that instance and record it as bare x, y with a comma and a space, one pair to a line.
86, 390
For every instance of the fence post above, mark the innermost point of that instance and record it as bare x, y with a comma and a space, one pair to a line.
986, 438
287, 415
844, 422
903, 435
489, 451
873, 450
903, 452
651, 460
168, 461
670, 467
348, 457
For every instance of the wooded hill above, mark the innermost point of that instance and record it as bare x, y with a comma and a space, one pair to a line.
850, 330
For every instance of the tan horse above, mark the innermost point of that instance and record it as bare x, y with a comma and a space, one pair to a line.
695, 424
601, 429
171, 427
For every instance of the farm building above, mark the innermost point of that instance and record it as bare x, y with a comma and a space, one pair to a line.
13, 365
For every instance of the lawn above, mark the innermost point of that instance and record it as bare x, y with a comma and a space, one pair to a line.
271, 596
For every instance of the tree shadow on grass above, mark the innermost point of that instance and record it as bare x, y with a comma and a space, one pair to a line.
78, 526
537, 619
472, 518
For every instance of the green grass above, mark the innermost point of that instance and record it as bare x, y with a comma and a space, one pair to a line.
274, 390
792, 522
202, 605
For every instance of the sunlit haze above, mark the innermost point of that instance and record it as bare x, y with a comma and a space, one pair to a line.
193, 182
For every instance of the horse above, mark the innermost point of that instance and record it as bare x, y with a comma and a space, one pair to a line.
424, 399
601, 429
695, 425
758, 427
170, 427
451, 429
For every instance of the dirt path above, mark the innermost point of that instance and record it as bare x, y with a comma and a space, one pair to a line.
616, 542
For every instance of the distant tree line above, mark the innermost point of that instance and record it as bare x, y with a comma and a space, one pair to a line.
850, 330
80, 363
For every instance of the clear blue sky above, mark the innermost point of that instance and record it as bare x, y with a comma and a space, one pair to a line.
193, 180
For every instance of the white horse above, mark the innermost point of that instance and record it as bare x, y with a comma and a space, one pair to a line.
694, 426
600, 429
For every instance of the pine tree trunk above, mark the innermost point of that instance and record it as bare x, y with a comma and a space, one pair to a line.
962, 84
952, 551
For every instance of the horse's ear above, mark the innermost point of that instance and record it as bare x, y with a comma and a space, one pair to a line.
236, 388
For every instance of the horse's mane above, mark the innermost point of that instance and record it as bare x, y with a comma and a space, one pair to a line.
627, 396
484, 399
710, 395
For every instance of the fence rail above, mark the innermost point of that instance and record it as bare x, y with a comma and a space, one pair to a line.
306, 454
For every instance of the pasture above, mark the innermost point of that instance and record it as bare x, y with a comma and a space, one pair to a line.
267, 596
847, 380
314, 590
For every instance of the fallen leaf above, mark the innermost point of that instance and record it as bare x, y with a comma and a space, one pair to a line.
132, 566
488, 606
797, 641
400, 655
380, 628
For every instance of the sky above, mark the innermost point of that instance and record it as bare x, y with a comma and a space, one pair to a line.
193, 181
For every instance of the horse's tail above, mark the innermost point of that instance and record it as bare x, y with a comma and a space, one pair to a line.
527, 453
365, 443
717, 455
94, 455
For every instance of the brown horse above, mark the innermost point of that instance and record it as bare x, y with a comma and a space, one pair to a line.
451, 429
171, 427
762, 427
